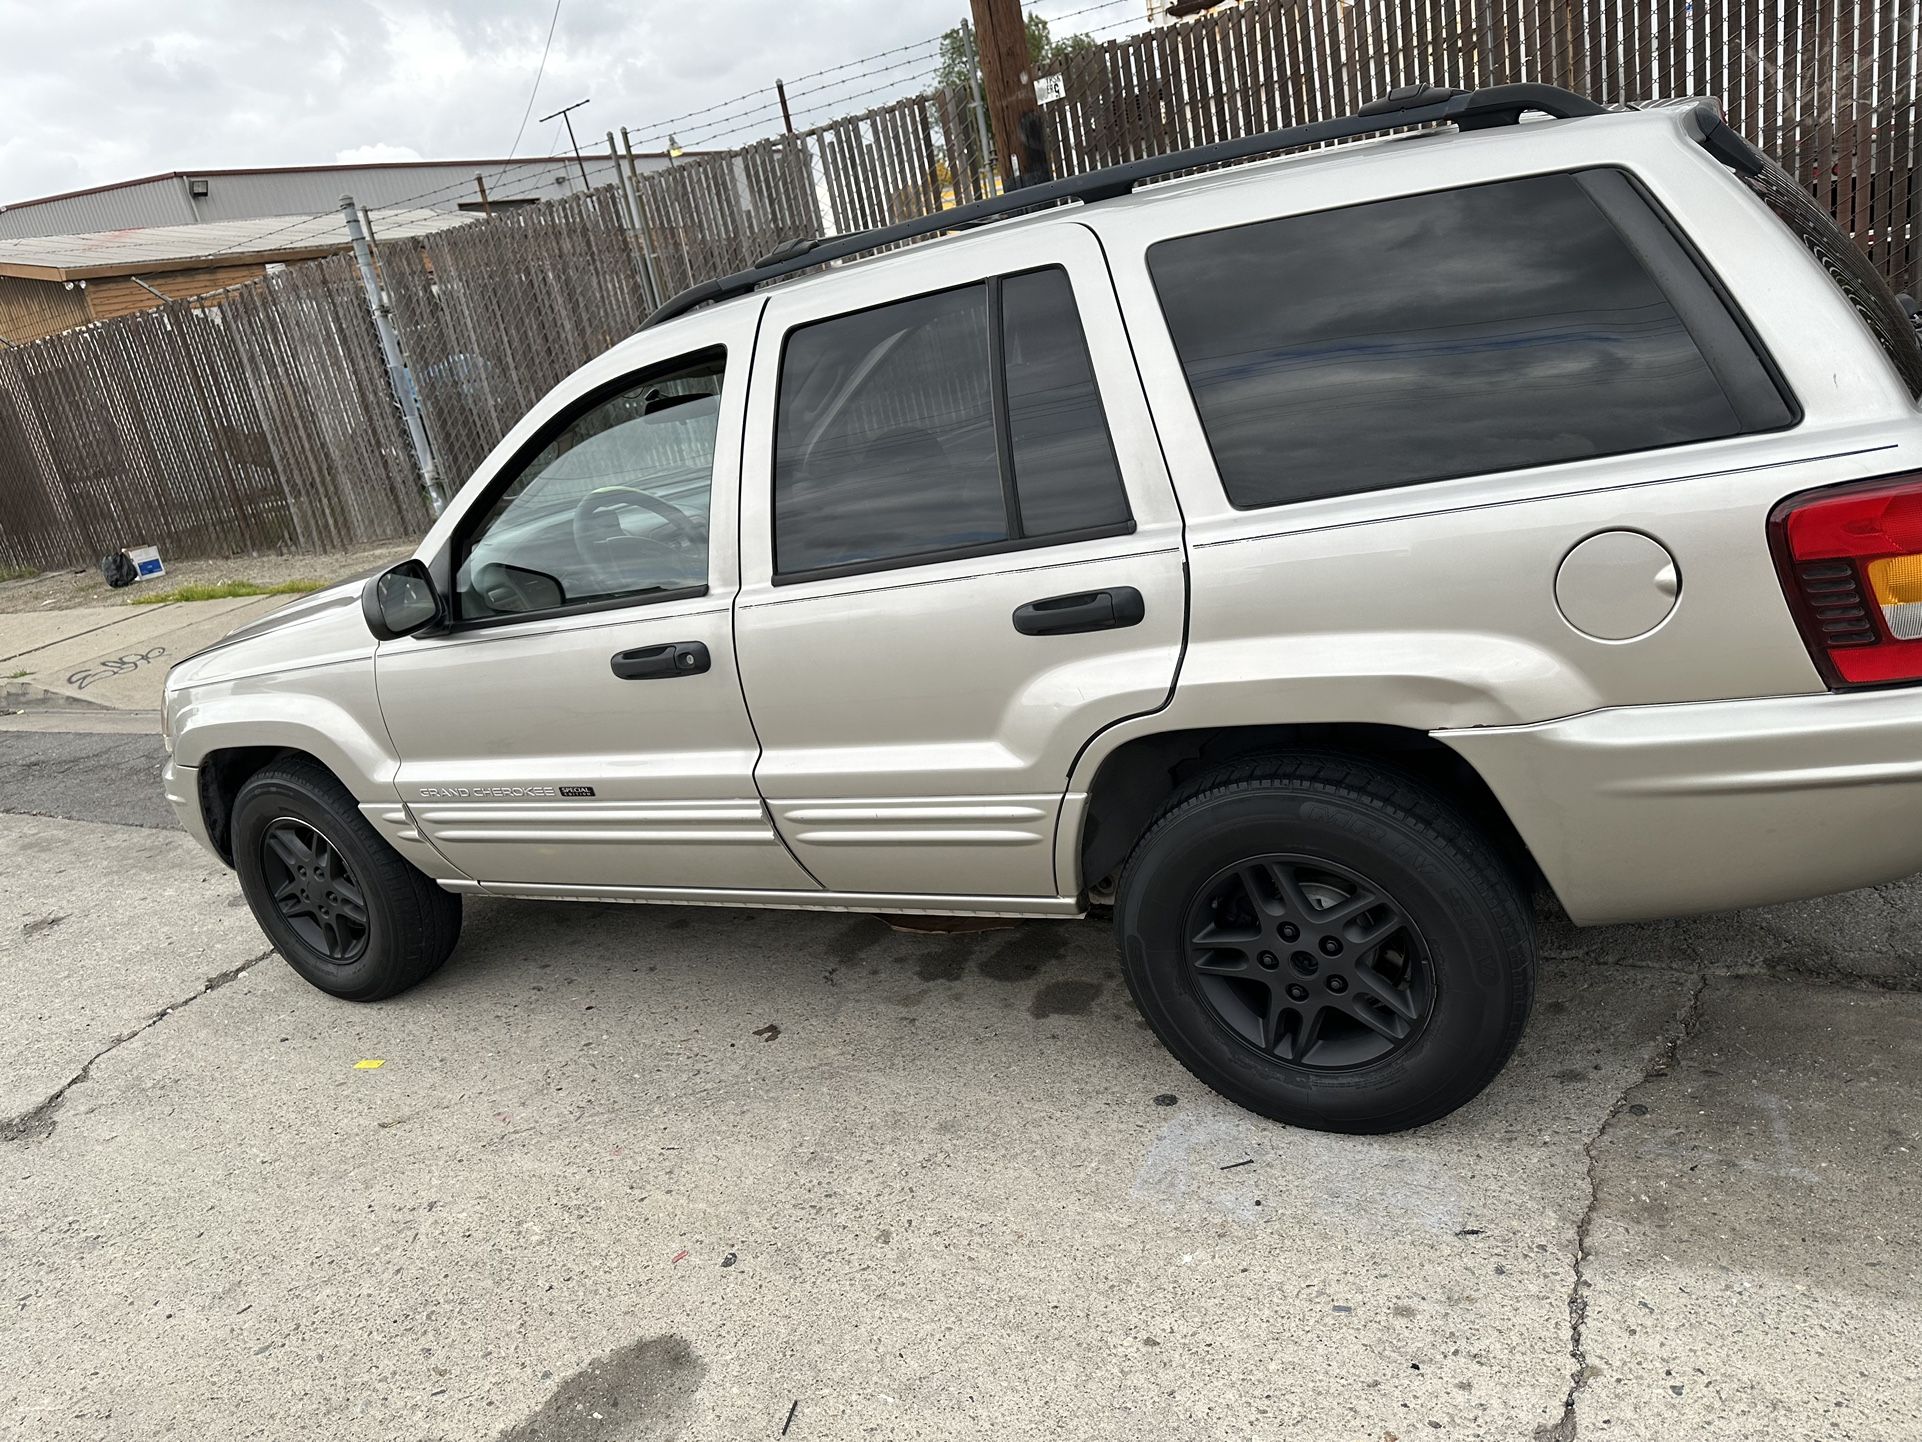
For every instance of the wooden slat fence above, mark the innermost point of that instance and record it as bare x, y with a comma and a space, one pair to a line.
260, 423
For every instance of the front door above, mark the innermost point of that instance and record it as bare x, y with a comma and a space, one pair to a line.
581, 723
961, 559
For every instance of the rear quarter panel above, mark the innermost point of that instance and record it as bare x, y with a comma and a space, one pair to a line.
1432, 606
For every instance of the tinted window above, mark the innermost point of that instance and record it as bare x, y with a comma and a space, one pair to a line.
1468, 331
884, 435
614, 505
1064, 462
886, 446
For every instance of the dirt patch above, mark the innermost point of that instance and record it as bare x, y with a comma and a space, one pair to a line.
84, 586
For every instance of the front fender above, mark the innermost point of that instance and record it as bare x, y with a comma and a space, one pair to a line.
328, 712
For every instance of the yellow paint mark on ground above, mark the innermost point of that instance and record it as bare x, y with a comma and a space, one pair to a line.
369, 1064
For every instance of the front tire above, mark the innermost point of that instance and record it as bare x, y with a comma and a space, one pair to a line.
1326, 942
341, 905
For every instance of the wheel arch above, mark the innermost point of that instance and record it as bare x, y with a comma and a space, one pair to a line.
223, 772
1134, 780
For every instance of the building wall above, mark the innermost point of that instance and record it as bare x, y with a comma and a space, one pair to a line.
30, 309
110, 296
165, 201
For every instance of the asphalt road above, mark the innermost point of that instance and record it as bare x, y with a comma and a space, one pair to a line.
84, 776
636, 1172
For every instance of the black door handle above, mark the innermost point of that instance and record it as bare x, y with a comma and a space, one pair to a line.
1084, 611
677, 658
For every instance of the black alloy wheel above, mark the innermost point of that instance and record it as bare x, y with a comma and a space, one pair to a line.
1309, 962
349, 913
1328, 940
314, 889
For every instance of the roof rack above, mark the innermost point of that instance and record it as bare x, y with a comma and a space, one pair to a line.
1404, 106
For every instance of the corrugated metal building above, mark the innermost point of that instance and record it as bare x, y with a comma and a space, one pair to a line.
196, 197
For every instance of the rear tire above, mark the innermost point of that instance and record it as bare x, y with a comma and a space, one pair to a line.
341, 905
1392, 1009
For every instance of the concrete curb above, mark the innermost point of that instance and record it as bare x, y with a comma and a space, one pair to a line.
25, 696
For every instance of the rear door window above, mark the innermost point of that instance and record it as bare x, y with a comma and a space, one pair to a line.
1463, 332
955, 423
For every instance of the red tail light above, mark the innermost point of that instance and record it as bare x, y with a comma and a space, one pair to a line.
1851, 561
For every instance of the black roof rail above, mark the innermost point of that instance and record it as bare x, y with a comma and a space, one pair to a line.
1403, 106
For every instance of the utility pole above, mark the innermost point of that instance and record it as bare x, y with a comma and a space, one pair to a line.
566, 113
397, 375
1007, 74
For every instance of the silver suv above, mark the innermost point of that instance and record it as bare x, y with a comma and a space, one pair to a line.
1308, 559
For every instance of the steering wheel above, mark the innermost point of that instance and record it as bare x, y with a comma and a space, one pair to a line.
597, 534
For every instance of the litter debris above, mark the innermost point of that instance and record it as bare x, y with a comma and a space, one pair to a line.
768, 1032
1244, 1162
680, 1256
793, 1407
1166, 1099
728, 1260
369, 1064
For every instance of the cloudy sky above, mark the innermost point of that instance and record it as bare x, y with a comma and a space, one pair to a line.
93, 91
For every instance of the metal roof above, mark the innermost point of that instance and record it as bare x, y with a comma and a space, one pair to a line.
271, 170
153, 248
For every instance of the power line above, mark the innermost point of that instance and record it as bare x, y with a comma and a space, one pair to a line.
539, 70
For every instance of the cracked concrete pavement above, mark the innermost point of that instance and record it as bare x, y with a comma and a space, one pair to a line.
629, 1172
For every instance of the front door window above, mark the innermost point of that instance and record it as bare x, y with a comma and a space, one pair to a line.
614, 506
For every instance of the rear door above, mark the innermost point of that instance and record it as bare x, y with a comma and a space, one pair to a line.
961, 559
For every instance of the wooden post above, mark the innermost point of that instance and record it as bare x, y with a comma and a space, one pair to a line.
1007, 75
787, 116
487, 207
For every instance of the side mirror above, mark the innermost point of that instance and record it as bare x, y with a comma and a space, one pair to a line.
401, 602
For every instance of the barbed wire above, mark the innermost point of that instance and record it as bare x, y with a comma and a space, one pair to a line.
1054, 20
833, 95
767, 109
840, 96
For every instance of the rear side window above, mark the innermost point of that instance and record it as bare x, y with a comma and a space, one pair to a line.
1468, 331
949, 424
